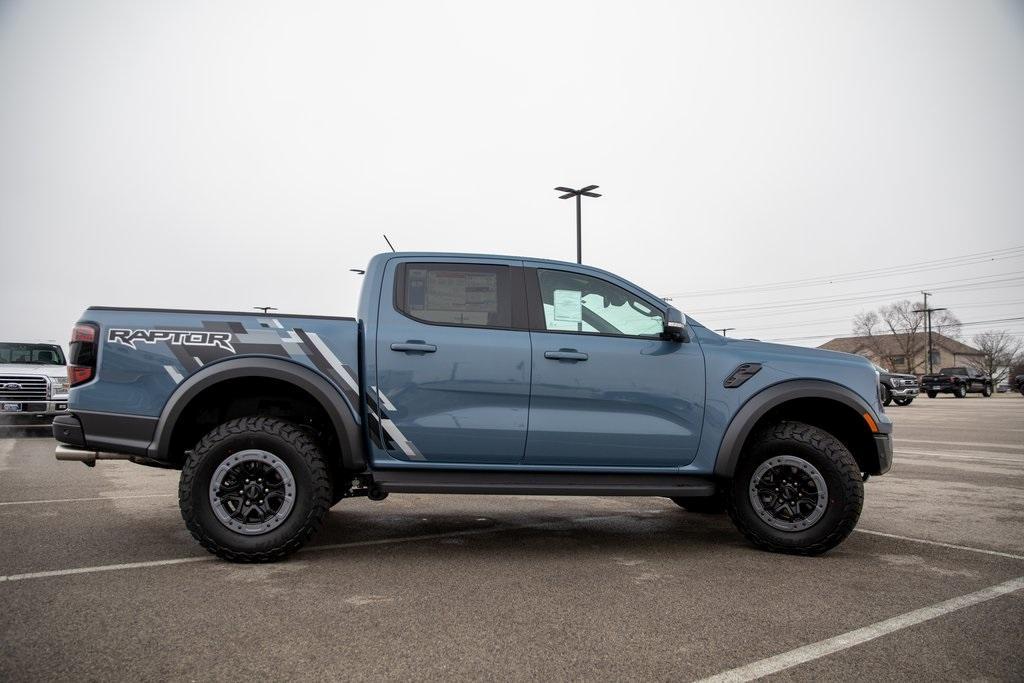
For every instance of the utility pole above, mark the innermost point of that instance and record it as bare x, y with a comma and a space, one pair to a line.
582, 192
928, 328
723, 330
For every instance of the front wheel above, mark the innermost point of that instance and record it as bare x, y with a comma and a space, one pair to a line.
254, 490
797, 490
886, 396
904, 401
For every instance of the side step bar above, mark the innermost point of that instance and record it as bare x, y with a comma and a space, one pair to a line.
72, 454
544, 483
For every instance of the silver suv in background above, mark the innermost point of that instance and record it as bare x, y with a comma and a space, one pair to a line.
33, 382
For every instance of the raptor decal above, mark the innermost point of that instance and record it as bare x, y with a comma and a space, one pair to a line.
174, 337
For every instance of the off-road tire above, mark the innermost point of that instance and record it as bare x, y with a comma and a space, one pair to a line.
886, 396
713, 505
932, 394
832, 460
296, 448
903, 401
960, 391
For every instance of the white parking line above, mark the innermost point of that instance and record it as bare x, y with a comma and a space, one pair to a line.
983, 551
315, 548
822, 648
82, 500
970, 444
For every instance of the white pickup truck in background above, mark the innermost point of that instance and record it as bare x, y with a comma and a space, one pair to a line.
33, 382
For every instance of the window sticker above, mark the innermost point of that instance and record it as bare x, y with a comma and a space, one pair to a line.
568, 305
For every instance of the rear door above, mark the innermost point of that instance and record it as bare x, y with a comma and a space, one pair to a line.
607, 391
453, 361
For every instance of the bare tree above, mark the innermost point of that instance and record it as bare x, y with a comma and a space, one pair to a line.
897, 330
1000, 350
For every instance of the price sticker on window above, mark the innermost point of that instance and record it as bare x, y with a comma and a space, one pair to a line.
568, 305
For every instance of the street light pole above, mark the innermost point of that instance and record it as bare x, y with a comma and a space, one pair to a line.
582, 192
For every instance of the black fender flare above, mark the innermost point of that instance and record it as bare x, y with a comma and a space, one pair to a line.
337, 408
759, 404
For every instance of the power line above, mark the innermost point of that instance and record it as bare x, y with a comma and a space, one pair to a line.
962, 283
921, 266
967, 324
807, 323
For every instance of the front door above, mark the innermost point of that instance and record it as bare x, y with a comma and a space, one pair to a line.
453, 363
607, 391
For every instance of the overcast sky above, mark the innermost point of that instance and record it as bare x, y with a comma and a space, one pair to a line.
225, 155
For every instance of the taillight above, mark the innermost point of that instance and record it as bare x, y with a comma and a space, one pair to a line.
82, 357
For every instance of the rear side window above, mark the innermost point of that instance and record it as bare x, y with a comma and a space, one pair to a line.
455, 294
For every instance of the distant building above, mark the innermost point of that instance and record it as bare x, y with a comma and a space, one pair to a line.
907, 353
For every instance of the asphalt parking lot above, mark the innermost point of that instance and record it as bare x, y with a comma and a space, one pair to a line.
100, 580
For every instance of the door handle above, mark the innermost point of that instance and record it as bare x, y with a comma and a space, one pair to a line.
413, 347
566, 354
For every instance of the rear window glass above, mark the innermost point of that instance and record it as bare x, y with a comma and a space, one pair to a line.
456, 294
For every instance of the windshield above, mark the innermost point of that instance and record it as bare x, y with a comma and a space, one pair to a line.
953, 371
31, 354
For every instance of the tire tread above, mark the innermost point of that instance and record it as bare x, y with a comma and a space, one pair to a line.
304, 446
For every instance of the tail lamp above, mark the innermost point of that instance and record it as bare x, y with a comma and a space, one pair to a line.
82, 357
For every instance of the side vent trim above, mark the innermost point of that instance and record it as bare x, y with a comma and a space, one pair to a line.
741, 374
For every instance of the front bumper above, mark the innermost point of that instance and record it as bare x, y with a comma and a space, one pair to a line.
883, 448
904, 392
33, 409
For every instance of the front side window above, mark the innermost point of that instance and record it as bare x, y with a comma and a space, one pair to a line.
580, 303
456, 294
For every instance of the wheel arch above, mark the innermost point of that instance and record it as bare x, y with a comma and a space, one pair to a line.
823, 404
340, 414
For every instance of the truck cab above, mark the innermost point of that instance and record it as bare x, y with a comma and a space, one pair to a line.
474, 374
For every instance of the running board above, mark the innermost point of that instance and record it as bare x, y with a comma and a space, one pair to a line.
84, 455
544, 483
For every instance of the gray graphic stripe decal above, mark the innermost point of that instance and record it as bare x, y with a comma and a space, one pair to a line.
389, 427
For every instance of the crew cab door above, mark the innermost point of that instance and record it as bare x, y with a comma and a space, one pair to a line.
607, 390
453, 361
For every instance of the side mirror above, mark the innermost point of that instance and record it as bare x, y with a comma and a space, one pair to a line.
675, 326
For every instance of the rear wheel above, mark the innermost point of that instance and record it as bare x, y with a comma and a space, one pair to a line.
960, 391
707, 506
905, 401
987, 391
797, 490
932, 394
254, 489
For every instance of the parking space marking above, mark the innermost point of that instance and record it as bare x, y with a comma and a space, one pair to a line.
940, 544
315, 548
822, 648
103, 568
978, 456
1005, 446
82, 500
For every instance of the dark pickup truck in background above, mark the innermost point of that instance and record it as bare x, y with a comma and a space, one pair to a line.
958, 381
897, 388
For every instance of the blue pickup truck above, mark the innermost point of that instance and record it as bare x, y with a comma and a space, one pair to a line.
474, 374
